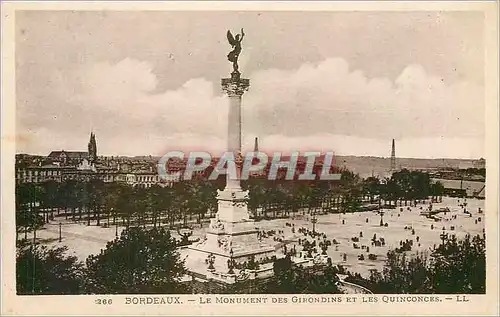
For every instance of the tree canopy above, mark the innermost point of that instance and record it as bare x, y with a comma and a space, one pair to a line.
457, 266
43, 270
143, 261
292, 279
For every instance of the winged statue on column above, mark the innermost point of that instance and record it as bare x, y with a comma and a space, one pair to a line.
235, 42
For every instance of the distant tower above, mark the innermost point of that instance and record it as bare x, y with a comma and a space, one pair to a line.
256, 146
92, 148
393, 156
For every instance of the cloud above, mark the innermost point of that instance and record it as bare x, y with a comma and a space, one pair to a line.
328, 97
127, 89
324, 105
120, 103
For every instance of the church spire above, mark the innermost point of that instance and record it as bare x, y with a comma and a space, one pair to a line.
256, 145
92, 148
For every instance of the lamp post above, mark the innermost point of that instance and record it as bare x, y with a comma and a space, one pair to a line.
314, 220
381, 218
60, 231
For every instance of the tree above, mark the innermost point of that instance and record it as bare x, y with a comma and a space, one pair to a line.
27, 208
322, 282
40, 270
420, 184
95, 191
51, 198
153, 202
371, 186
181, 200
139, 205
284, 278
81, 197
27, 220
204, 198
437, 191
125, 204
403, 179
391, 191
68, 197
459, 266
112, 195
402, 275
352, 201
454, 267
165, 200
143, 261
348, 179
291, 279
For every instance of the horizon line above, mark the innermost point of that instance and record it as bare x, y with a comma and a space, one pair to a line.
341, 155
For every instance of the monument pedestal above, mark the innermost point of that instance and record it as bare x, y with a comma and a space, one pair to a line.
232, 235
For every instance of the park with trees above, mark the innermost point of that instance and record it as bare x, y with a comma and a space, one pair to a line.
146, 261
98, 203
144, 257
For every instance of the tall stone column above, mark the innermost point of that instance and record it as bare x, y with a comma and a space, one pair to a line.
234, 87
231, 201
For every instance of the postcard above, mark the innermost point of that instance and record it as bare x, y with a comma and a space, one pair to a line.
249, 158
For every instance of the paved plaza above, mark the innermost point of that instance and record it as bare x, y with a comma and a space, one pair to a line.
83, 240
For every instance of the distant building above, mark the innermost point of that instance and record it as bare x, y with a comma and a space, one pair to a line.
85, 165
144, 179
481, 163
462, 188
40, 174
75, 157
66, 157
60, 166
465, 164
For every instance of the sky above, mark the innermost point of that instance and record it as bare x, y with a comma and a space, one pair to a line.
349, 82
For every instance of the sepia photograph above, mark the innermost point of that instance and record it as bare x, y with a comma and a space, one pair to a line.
325, 156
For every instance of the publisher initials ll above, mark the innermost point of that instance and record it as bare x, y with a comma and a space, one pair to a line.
462, 298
